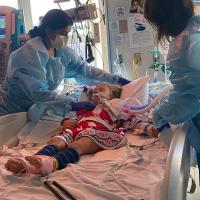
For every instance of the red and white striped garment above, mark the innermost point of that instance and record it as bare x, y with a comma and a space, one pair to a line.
102, 125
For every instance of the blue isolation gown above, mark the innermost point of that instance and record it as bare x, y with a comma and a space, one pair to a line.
183, 103
33, 75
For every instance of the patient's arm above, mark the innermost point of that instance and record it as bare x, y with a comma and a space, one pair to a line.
145, 129
69, 123
66, 123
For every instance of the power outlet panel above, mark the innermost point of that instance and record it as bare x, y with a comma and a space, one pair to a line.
137, 58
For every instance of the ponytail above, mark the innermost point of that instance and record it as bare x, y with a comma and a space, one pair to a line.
37, 31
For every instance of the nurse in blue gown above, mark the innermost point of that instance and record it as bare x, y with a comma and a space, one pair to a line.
175, 22
36, 69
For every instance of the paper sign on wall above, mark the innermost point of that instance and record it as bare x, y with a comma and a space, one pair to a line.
120, 12
118, 39
114, 25
123, 26
140, 32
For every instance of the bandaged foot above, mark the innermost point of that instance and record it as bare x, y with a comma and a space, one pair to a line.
42, 165
20, 165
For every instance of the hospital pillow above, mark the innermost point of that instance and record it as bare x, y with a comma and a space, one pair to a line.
136, 89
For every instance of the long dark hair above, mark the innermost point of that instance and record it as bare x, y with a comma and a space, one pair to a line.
170, 17
53, 20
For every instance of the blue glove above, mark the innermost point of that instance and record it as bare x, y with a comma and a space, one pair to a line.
123, 81
36, 111
82, 105
163, 127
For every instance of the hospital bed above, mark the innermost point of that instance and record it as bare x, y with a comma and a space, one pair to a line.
173, 185
111, 174
177, 169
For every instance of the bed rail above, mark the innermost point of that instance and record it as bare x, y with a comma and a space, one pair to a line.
10, 125
177, 167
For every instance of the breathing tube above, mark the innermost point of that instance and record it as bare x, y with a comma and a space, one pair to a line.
142, 108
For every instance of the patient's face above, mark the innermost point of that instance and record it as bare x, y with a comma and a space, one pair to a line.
102, 87
101, 92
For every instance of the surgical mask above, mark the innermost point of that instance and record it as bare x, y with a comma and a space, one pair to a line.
59, 42
100, 97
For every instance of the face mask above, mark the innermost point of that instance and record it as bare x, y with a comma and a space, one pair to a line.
100, 97
59, 42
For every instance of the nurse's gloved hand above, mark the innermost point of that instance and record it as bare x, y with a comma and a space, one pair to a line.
165, 135
82, 105
123, 81
36, 111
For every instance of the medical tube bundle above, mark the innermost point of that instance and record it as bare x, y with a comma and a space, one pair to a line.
157, 65
132, 106
119, 67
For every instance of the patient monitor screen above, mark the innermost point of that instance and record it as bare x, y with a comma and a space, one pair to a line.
2, 26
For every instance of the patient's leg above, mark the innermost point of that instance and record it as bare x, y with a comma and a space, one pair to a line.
15, 165
40, 164
72, 154
20, 165
54, 146
30, 164
85, 145
58, 143
23, 165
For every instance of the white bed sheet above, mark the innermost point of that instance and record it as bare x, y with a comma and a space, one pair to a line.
124, 174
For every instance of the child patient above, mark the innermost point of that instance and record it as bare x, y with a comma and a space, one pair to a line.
91, 132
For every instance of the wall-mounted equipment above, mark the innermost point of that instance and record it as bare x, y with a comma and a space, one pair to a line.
84, 12
81, 12
88, 49
11, 27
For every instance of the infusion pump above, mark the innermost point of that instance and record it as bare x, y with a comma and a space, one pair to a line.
11, 30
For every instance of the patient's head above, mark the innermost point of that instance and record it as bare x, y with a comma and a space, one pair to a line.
105, 91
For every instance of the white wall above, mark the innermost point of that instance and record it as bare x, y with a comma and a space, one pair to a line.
25, 6
11, 3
